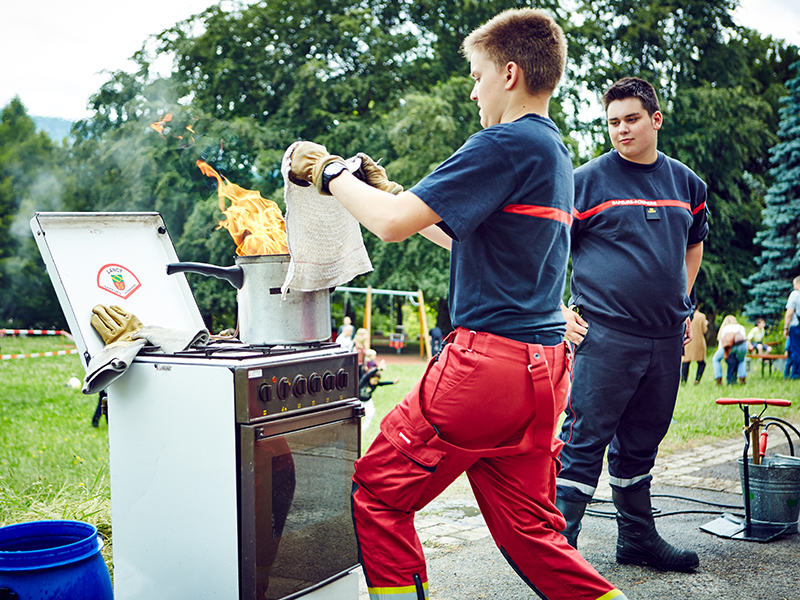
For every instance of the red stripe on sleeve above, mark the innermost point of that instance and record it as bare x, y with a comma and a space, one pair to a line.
543, 212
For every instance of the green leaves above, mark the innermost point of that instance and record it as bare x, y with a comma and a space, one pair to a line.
779, 259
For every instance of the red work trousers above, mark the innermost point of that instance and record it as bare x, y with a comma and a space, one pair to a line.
487, 406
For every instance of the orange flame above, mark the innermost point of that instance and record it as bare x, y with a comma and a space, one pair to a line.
159, 125
255, 224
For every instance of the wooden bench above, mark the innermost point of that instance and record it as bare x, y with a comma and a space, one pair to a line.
768, 359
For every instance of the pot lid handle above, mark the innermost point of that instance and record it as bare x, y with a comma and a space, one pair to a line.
233, 275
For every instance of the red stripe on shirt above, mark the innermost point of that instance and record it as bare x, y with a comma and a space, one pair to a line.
631, 202
543, 212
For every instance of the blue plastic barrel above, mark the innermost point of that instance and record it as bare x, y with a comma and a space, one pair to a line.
52, 560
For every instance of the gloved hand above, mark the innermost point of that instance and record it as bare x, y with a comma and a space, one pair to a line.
307, 162
115, 324
373, 174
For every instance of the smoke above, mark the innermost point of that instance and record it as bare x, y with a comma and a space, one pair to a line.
44, 195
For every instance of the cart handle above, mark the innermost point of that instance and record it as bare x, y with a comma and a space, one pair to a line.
757, 401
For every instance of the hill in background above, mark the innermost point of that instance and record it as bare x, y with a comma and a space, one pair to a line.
56, 127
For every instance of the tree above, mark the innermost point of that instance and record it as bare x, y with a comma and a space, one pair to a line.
29, 181
301, 64
779, 260
720, 133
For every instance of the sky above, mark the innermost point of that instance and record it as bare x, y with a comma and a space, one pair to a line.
58, 53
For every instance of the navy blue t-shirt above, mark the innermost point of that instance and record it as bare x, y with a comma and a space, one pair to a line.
632, 226
505, 197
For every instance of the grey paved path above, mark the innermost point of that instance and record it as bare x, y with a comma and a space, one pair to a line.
464, 563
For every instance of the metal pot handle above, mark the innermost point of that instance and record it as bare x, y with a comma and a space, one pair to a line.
233, 275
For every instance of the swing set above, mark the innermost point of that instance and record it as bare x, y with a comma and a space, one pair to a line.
396, 340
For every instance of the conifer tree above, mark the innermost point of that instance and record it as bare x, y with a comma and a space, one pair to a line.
779, 261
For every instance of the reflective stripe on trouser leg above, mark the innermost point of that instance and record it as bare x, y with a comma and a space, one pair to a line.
525, 523
389, 548
418, 591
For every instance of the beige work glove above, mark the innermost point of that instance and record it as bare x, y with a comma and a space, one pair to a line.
307, 162
117, 328
115, 324
373, 174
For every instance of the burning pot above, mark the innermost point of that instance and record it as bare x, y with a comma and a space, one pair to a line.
264, 317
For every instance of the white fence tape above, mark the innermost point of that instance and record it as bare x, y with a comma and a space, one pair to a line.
38, 354
4, 332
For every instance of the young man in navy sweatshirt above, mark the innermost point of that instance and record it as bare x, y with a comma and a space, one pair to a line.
637, 243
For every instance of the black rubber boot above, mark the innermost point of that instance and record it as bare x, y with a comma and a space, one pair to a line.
638, 542
573, 513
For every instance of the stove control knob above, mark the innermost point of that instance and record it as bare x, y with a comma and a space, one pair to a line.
299, 386
284, 388
342, 379
328, 381
314, 383
265, 392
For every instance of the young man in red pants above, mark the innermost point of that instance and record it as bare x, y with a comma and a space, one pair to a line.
489, 403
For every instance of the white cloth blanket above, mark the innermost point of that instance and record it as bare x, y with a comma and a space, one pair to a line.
113, 361
326, 247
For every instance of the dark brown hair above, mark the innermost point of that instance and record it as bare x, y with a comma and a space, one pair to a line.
632, 87
528, 37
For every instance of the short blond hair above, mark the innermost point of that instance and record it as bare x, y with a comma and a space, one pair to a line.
529, 37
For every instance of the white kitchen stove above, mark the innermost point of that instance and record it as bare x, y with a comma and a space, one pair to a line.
230, 465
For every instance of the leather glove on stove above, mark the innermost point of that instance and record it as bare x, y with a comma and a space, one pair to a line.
117, 328
125, 336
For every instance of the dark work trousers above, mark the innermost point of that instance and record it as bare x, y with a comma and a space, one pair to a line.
623, 395
488, 406
794, 353
701, 366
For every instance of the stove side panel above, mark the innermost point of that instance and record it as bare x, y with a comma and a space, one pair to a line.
172, 441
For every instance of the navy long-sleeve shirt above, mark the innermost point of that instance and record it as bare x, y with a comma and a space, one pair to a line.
632, 224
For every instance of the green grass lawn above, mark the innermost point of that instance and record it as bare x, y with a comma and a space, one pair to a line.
54, 464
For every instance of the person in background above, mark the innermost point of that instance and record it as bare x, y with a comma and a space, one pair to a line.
369, 381
695, 350
791, 330
436, 339
361, 345
345, 322
732, 348
371, 359
488, 404
345, 338
637, 244
755, 338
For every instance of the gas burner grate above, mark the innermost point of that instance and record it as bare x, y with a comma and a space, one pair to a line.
233, 349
